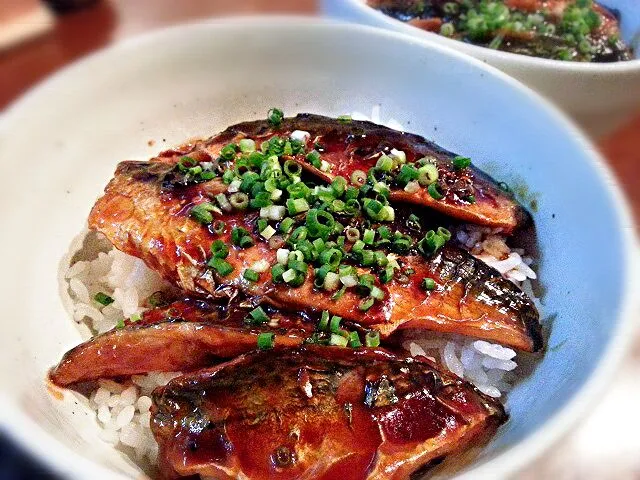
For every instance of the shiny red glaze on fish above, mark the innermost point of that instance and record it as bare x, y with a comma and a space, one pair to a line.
317, 412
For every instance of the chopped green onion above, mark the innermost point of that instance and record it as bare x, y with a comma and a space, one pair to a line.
338, 340
324, 321
461, 162
237, 234
407, 173
387, 274
219, 226
339, 185
202, 213
345, 119
434, 191
219, 249
471, 199
444, 233
428, 283
222, 267
277, 271
384, 163
354, 340
266, 341
223, 202
296, 206
319, 223
136, 317
339, 294
257, 316
298, 235
228, 152
334, 324
427, 174
447, 29
352, 234
120, 324
292, 169
366, 303
372, 339
247, 145
286, 225
313, 158
358, 177
251, 275
239, 200
103, 299
368, 236
377, 293
275, 117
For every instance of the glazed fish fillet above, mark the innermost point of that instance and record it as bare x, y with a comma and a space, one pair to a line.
351, 145
145, 216
182, 336
316, 412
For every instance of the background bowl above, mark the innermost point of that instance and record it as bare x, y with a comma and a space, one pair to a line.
139, 97
600, 96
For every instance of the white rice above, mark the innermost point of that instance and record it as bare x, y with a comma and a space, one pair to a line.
122, 410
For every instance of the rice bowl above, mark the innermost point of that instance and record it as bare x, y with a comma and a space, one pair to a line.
93, 190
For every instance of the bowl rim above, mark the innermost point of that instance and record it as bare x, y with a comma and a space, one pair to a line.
64, 459
490, 55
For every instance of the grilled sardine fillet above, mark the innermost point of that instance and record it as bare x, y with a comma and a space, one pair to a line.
145, 212
353, 145
316, 412
182, 336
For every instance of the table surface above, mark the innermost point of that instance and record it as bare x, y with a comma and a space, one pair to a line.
601, 446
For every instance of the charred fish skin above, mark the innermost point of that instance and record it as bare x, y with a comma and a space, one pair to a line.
182, 336
317, 412
356, 144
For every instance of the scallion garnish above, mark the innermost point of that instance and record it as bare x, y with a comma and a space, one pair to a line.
323, 325
434, 191
219, 249
275, 117
120, 324
103, 299
338, 340
266, 341
202, 213
222, 267
428, 283
257, 316
334, 324
366, 303
461, 162
354, 340
372, 339
251, 275
228, 152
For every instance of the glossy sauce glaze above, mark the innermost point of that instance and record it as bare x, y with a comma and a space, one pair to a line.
352, 145
470, 298
576, 30
316, 413
184, 335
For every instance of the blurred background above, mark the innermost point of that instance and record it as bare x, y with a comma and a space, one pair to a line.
39, 37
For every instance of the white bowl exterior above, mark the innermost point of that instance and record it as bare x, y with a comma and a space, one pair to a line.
193, 81
600, 97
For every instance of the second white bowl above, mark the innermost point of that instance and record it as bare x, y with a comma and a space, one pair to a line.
600, 96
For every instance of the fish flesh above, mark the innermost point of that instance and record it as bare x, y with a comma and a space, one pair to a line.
182, 336
145, 212
317, 412
351, 145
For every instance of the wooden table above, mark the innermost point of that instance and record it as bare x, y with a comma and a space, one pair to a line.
604, 445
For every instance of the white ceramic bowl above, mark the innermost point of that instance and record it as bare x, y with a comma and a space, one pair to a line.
60, 143
600, 96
